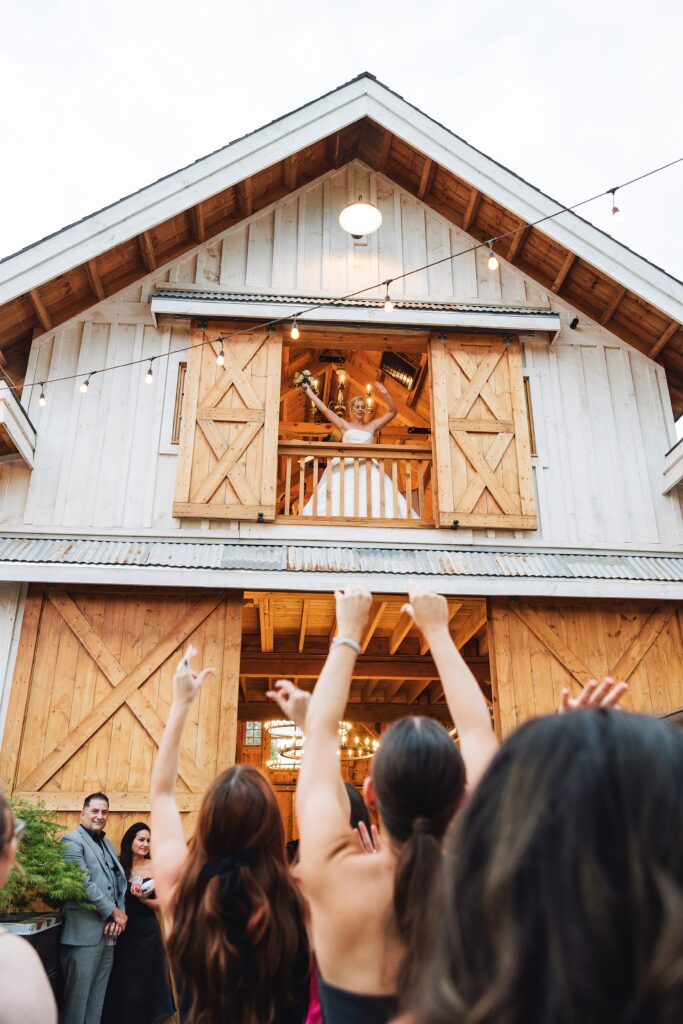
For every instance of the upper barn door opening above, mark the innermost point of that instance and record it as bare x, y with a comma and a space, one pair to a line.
481, 434
228, 437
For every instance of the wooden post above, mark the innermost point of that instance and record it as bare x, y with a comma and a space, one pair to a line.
230, 683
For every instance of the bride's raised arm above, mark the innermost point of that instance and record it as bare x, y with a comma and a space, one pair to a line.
387, 417
335, 420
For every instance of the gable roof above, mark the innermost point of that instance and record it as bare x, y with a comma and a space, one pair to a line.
54, 279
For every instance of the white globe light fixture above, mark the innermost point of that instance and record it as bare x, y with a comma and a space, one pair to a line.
360, 218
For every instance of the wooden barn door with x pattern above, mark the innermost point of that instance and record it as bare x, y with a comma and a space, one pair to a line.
228, 441
481, 435
92, 691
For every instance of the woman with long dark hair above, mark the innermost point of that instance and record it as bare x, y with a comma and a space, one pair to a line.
235, 920
138, 990
369, 912
563, 882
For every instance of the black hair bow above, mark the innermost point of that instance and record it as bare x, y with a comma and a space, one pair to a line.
229, 873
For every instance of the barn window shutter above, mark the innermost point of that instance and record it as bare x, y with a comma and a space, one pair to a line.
480, 431
227, 459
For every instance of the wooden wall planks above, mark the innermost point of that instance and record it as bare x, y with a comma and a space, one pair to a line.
104, 461
539, 647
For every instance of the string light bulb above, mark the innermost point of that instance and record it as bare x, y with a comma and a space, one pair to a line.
388, 304
86, 384
41, 398
493, 259
220, 358
149, 376
294, 334
617, 215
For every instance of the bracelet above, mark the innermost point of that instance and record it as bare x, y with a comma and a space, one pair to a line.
339, 640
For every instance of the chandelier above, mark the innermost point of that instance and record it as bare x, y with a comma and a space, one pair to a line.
288, 743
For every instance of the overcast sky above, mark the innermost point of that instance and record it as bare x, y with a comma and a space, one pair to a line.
100, 98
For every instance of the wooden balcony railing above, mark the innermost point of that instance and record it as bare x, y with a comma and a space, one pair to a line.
359, 485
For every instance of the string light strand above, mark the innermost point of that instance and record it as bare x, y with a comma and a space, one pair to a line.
294, 318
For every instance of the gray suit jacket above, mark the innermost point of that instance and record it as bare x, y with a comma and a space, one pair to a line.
105, 882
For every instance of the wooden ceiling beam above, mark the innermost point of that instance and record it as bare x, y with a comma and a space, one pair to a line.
260, 710
290, 174
385, 150
423, 370
426, 178
613, 306
562, 272
517, 242
400, 632
146, 244
197, 223
40, 310
392, 689
369, 690
664, 339
376, 613
245, 198
94, 281
471, 209
305, 608
333, 150
265, 618
309, 666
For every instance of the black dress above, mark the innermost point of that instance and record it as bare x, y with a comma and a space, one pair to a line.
139, 990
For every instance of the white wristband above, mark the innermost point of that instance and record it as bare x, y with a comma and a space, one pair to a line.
339, 640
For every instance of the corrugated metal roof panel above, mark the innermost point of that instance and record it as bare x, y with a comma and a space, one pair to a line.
327, 300
346, 558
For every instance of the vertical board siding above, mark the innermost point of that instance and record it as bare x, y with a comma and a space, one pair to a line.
11, 610
538, 647
104, 460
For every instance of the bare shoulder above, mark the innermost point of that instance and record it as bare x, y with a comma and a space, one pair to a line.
32, 1001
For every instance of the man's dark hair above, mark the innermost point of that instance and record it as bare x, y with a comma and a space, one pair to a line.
95, 796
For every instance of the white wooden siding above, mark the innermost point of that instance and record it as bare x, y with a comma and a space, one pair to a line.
12, 596
104, 460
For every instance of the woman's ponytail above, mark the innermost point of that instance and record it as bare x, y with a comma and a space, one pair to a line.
419, 778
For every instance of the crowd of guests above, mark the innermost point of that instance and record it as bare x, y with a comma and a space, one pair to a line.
536, 883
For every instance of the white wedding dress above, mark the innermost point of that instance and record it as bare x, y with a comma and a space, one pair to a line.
378, 480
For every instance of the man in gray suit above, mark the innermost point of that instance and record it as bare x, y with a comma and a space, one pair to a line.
88, 936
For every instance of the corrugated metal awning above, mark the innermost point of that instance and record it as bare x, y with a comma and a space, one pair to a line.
220, 557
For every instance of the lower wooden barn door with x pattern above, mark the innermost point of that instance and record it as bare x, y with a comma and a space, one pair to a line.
92, 690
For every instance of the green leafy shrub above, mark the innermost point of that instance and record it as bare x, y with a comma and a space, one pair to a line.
41, 875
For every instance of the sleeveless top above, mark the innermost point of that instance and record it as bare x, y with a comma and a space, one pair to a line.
356, 435
342, 1007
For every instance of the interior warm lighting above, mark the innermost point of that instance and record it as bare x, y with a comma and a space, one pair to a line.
493, 259
220, 358
294, 333
360, 218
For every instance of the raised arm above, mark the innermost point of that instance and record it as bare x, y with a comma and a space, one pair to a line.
170, 847
337, 421
321, 802
387, 417
466, 703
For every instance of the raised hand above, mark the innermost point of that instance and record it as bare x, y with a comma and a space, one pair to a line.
353, 609
380, 387
186, 683
428, 611
603, 694
369, 841
292, 701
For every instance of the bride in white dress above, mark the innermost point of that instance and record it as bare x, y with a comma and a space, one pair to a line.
356, 431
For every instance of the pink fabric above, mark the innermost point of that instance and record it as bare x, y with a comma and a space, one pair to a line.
315, 1014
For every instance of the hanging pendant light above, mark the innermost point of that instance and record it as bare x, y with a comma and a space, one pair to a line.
360, 218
